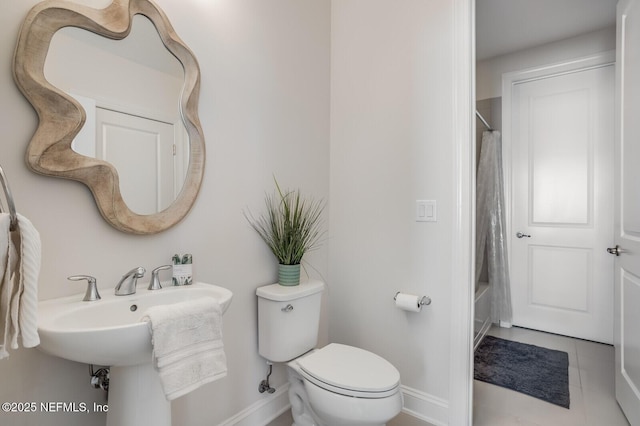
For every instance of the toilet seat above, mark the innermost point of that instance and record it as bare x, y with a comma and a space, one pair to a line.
350, 371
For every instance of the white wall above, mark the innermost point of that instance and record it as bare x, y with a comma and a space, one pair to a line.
392, 144
489, 72
264, 107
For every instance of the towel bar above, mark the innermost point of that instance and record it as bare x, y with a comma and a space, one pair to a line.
10, 205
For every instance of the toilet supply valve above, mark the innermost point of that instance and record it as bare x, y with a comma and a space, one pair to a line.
99, 378
264, 385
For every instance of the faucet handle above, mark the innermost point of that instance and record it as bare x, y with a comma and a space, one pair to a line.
154, 284
92, 288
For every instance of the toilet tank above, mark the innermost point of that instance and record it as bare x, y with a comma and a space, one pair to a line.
288, 319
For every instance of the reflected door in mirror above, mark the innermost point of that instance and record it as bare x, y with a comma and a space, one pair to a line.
130, 91
142, 151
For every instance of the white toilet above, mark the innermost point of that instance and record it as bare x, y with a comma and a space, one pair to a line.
337, 385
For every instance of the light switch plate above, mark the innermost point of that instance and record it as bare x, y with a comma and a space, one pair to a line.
426, 211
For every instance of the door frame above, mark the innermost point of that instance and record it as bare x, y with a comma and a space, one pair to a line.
509, 80
460, 407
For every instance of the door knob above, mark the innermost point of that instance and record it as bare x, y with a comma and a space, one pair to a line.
615, 250
521, 235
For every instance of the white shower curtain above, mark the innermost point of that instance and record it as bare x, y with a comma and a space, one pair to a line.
490, 227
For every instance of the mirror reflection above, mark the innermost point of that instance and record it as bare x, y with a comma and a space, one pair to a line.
130, 90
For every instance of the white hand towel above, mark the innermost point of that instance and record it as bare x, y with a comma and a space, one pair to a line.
187, 344
7, 258
20, 257
29, 270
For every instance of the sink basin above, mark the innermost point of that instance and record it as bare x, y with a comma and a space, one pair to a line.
109, 331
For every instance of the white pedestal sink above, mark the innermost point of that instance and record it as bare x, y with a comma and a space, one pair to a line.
109, 332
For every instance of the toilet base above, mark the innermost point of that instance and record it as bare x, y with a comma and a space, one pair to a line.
304, 414
301, 411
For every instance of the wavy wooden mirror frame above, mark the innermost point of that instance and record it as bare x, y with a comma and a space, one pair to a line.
61, 117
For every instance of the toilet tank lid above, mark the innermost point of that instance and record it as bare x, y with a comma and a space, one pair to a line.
283, 293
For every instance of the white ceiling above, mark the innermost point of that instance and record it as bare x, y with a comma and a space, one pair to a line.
505, 26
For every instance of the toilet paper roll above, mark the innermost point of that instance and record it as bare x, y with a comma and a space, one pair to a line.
408, 302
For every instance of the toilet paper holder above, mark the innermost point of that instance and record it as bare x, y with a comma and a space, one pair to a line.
424, 300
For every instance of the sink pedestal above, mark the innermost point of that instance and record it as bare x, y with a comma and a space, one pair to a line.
136, 397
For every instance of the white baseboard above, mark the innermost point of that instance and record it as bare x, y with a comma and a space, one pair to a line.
424, 406
262, 412
418, 404
480, 335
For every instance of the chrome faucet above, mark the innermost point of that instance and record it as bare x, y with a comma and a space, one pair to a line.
127, 284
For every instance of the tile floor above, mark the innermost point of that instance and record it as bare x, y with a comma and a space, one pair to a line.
401, 420
591, 384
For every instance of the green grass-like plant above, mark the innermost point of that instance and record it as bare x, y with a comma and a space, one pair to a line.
291, 225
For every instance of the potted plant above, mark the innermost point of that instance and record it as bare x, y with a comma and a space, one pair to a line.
291, 226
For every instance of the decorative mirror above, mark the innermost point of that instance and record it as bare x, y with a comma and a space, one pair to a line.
137, 143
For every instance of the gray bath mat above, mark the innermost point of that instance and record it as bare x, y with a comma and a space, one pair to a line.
539, 372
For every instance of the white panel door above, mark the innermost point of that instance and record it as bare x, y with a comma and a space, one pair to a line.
562, 192
627, 212
142, 151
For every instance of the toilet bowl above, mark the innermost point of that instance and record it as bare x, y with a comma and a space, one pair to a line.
341, 385
337, 385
